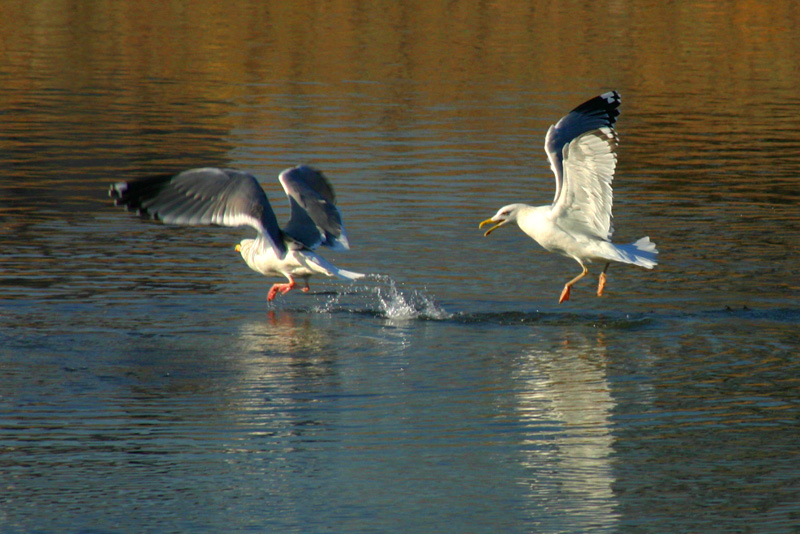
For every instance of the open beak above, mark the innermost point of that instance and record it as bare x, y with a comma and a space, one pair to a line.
493, 228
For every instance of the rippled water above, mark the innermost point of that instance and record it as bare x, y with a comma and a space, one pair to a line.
147, 386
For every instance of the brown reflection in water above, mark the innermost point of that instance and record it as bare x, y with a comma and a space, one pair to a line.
145, 66
453, 51
156, 84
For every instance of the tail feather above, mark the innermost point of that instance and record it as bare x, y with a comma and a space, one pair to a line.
330, 269
641, 252
348, 275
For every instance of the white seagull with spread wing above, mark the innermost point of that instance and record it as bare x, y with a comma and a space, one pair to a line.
581, 148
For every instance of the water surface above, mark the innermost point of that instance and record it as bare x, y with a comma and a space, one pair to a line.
147, 386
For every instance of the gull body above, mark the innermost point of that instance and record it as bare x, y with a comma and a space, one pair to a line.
229, 197
298, 263
581, 148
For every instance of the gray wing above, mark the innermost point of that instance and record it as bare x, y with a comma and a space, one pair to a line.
601, 111
208, 196
315, 220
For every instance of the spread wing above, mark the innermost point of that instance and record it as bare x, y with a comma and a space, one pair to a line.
582, 148
207, 196
315, 220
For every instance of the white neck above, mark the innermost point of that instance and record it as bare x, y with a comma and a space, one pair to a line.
255, 252
533, 219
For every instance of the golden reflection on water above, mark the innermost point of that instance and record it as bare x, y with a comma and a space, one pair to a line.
709, 90
218, 50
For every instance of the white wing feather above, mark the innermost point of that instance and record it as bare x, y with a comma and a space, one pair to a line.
585, 198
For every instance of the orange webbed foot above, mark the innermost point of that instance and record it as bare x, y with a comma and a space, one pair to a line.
601, 285
564, 295
272, 292
283, 288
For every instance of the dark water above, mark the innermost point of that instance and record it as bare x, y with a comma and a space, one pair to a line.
147, 386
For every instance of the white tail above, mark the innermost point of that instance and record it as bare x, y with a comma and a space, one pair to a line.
330, 269
347, 275
641, 252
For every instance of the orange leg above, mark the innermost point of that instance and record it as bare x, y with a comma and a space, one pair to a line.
602, 284
283, 288
307, 288
565, 293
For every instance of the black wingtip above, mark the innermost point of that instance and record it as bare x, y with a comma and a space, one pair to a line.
116, 191
132, 194
606, 105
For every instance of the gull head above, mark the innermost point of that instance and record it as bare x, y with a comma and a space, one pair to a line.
504, 215
244, 246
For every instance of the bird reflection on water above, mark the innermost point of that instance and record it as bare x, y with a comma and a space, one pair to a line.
565, 404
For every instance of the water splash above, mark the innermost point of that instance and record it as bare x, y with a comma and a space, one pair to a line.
402, 305
385, 298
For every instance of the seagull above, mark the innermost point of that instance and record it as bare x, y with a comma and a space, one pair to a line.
581, 148
230, 197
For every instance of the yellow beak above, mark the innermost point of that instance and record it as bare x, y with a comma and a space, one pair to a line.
238, 248
493, 228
